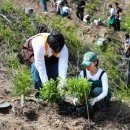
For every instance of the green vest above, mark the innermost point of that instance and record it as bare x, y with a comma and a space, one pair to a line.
95, 83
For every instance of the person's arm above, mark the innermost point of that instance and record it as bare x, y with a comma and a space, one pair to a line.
120, 13
63, 62
104, 80
38, 48
81, 75
111, 13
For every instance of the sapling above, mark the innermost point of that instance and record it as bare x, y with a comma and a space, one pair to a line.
79, 87
49, 91
22, 82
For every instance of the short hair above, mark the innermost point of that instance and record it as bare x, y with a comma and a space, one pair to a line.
42, 28
97, 62
127, 36
110, 6
116, 3
56, 41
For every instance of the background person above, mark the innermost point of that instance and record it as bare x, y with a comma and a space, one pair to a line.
118, 12
112, 18
80, 5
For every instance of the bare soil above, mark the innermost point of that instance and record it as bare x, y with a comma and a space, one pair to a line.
35, 116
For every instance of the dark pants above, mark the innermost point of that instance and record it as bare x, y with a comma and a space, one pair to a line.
102, 104
80, 14
52, 73
44, 4
117, 25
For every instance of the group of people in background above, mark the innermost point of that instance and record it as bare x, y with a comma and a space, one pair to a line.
62, 8
115, 16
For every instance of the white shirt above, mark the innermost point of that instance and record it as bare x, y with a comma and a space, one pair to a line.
112, 11
39, 53
85, 17
58, 2
128, 41
127, 44
66, 9
104, 80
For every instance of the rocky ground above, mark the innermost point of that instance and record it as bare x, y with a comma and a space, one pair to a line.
34, 116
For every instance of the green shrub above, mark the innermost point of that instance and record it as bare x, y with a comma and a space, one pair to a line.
22, 81
79, 87
92, 6
49, 92
126, 21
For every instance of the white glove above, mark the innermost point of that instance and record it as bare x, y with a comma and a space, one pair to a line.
60, 87
120, 18
92, 101
61, 84
75, 101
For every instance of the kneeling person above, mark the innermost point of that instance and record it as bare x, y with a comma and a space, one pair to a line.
100, 95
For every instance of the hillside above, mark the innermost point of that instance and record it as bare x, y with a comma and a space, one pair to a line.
16, 27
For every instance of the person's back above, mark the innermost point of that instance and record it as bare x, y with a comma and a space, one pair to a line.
48, 57
86, 18
66, 9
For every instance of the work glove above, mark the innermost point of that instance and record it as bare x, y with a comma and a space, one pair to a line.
61, 87
61, 84
75, 101
92, 101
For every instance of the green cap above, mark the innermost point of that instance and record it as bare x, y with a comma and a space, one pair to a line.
88, 58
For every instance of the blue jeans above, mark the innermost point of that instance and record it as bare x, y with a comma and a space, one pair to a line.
44, 5
52, 73
102, 104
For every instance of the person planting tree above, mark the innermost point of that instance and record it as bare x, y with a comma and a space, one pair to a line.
100, 95
47, 55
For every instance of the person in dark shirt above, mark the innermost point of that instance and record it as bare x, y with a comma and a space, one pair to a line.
118, 12
80, 9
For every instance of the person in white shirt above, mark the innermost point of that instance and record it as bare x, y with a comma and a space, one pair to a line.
100, 94
59, 4
87, 18
65, 11
127, 45
111, 18
49, 58
112, 11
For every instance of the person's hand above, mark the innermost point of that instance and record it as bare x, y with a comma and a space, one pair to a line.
61, 84
75, 101
108, 18
92, 101
61, 87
